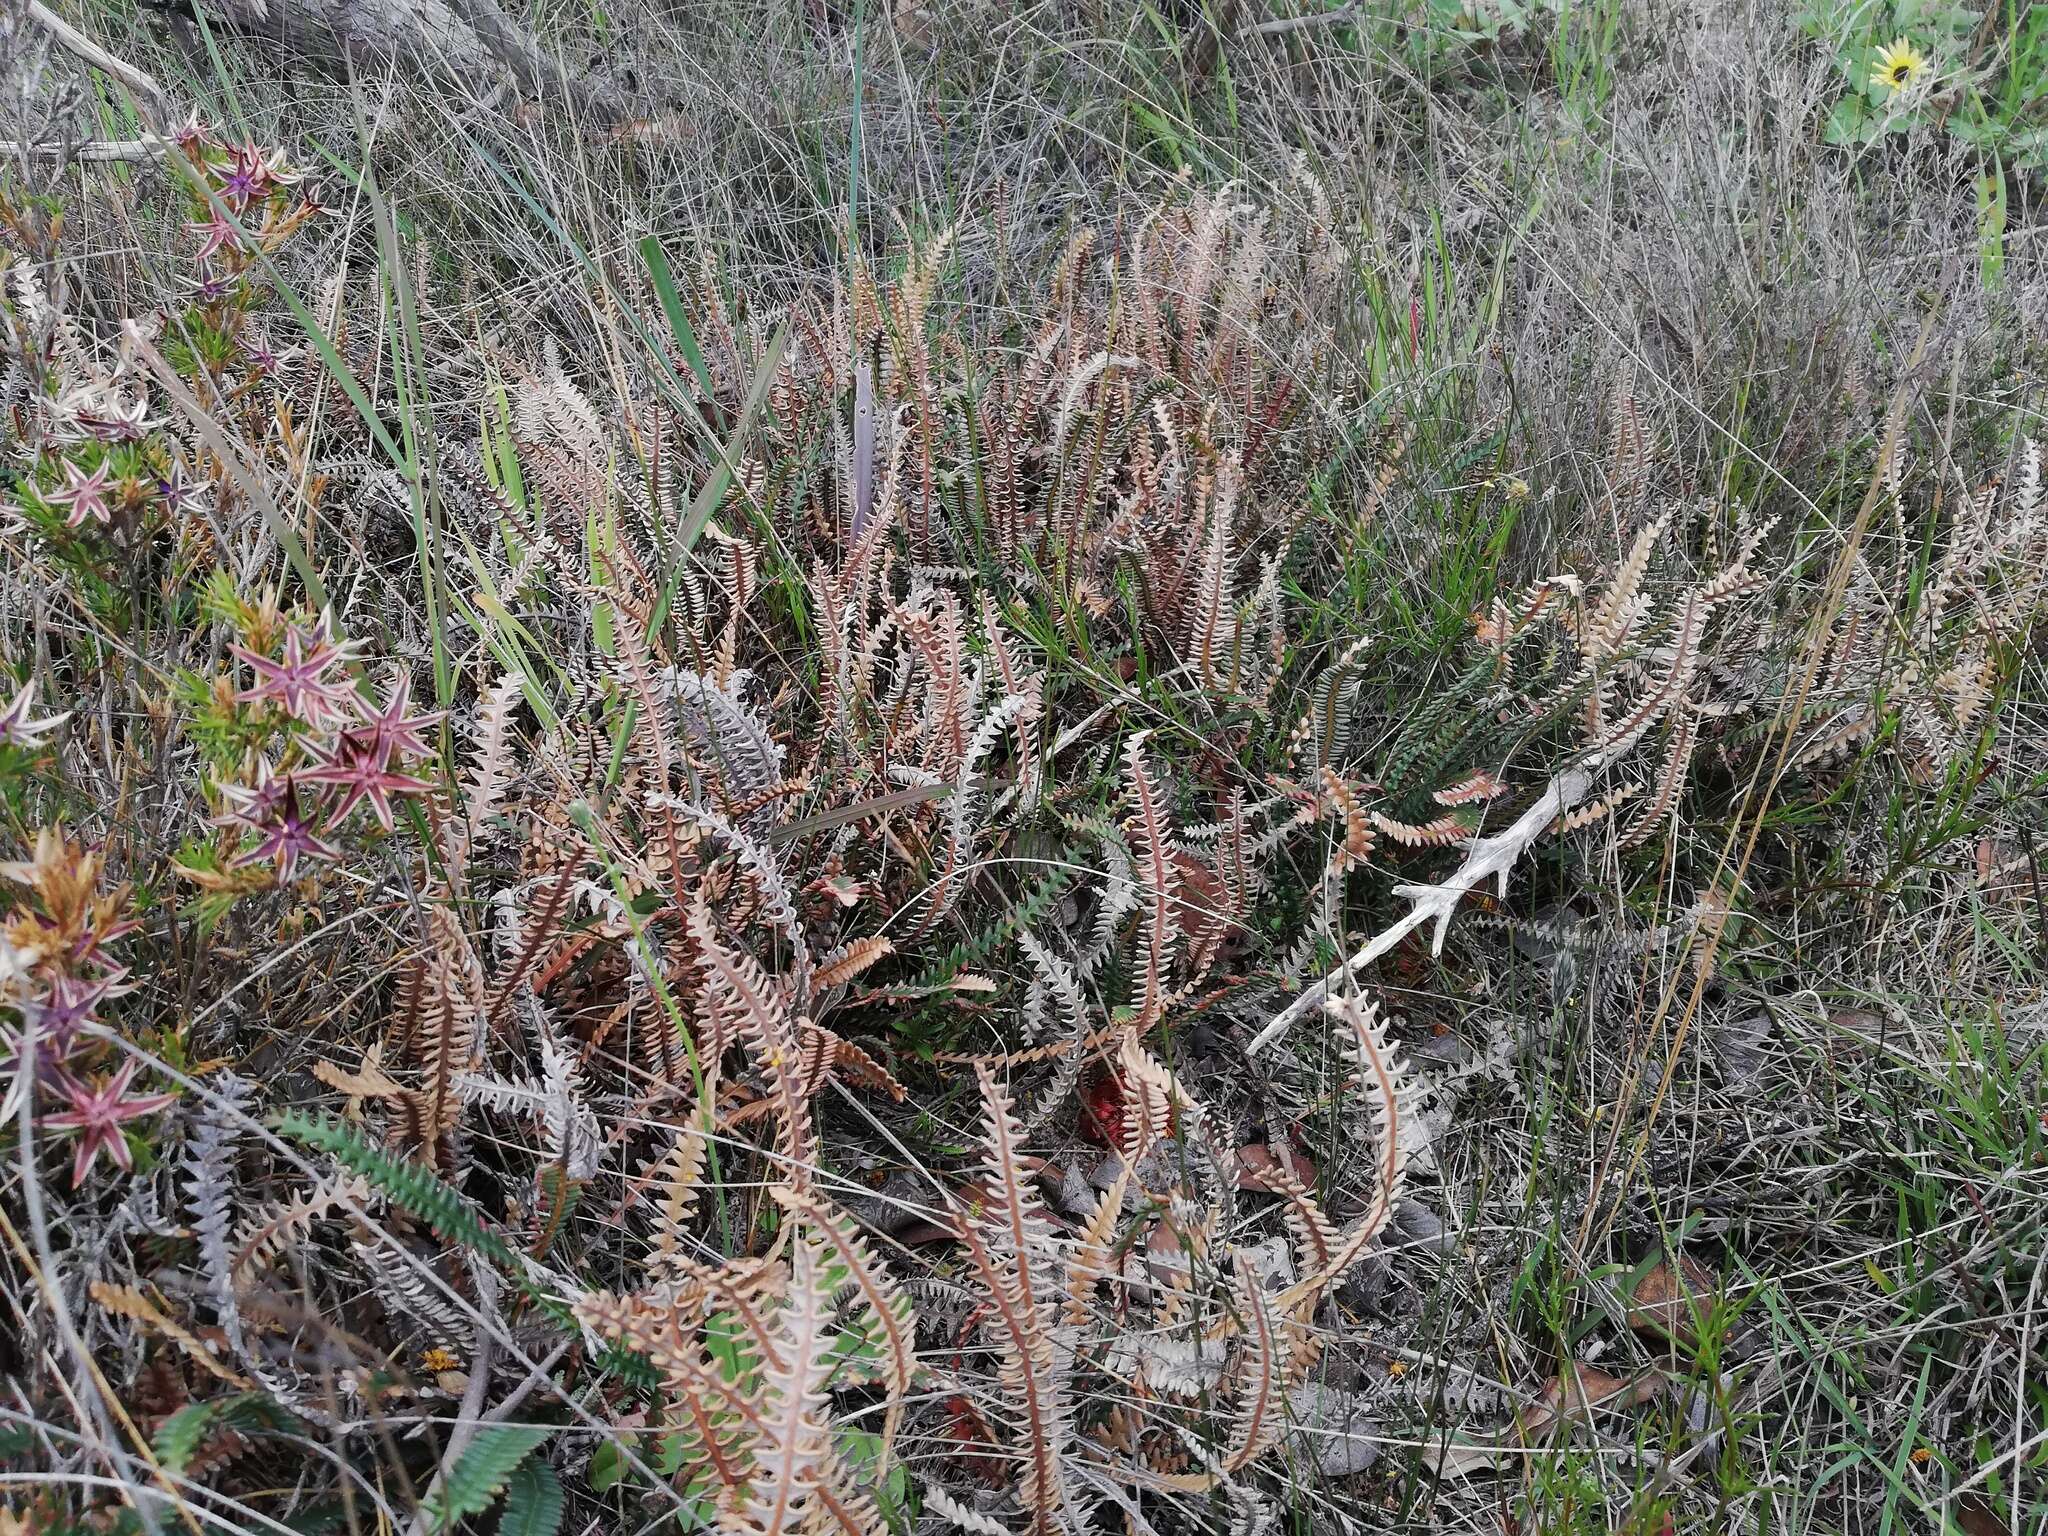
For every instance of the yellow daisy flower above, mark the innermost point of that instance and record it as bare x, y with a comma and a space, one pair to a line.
1900, 67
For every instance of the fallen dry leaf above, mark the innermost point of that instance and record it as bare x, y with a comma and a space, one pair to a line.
1332, 1427
1250, 1164
1975, 1515
912, 21
1671, 1299
1579, 1390
1569, 1397
372, 1082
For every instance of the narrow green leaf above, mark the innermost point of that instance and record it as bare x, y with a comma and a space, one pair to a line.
672, 306
721, 477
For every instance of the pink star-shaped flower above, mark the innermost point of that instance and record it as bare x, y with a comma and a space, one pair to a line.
97, 1113
98, 410
274, 166
359, 763
85, 494
301, 683
55, 1022
257, 358
17, 729
217, 233
191, 135
359, 777
210, 287
389, 729
285, 834
248, 177
249, 804
175, 490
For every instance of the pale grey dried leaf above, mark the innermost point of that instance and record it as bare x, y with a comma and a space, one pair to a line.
1333, 1428
1740, 1045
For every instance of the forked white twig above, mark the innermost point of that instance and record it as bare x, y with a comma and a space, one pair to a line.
1484, 857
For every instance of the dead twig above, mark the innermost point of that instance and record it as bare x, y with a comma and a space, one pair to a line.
1487, 857
76, 42
96, 151
1281, 25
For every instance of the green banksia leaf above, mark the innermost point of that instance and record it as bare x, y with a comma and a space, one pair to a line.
1030, 906
416, 1189
533, 1500
484, 1471
182, 1436
408, 1184
319, 1519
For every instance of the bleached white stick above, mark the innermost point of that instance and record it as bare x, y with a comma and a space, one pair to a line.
1486, 856
93, 150
77, 42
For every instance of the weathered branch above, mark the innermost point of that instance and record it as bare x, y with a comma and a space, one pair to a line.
75, 41
471, 42
1485, 857
96, 150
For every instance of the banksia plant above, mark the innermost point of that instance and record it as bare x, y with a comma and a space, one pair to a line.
828, 970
